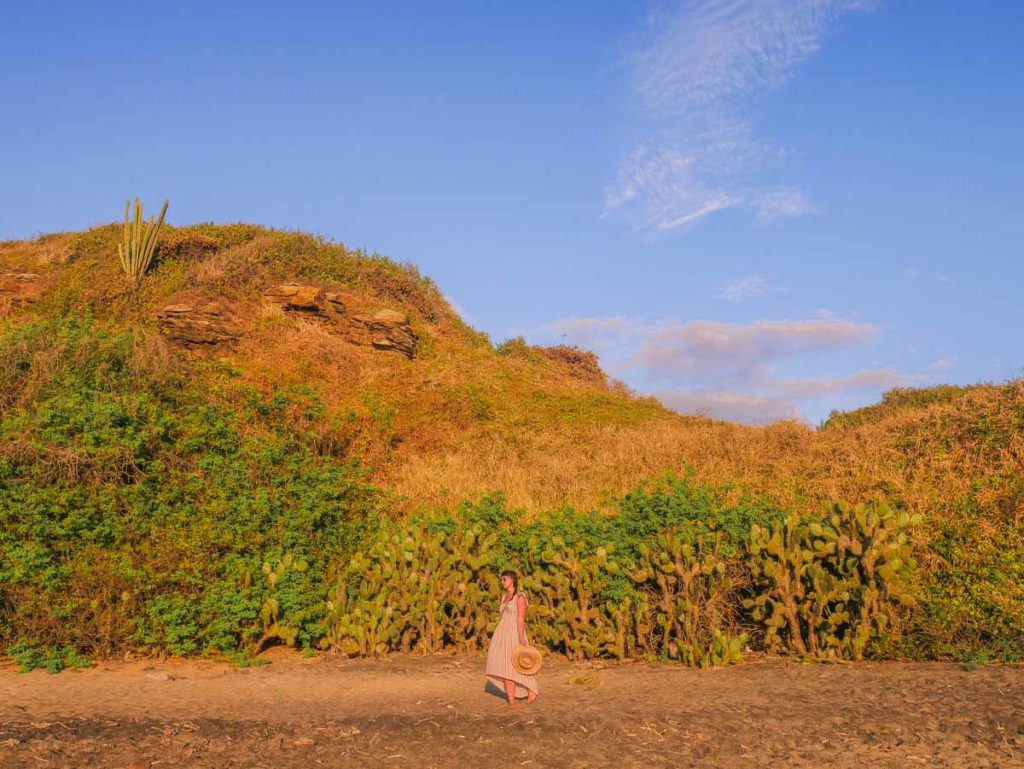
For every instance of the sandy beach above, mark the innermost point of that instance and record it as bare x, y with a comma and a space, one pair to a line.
434, 712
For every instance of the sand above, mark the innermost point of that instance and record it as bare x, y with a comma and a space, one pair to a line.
408, 711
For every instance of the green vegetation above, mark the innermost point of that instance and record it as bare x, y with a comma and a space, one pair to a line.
972, 607
140, 515
155, 502
668, 577
137, 513
30, 656
826, 586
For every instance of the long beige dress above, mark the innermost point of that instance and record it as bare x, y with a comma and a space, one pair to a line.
503, 643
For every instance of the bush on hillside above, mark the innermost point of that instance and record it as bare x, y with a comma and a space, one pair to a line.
136, 512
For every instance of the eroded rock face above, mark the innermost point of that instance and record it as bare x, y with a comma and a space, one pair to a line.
390, 330
296, 297
201, 323
204, 323
349, 314
19, 289
342, 302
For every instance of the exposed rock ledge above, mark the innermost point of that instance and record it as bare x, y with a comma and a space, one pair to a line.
201, 323
382, 329
206, 322
297, 298
19, 289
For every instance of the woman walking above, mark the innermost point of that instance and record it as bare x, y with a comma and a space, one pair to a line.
510, 633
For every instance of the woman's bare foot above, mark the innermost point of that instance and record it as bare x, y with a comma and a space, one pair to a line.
510, 692
531, 698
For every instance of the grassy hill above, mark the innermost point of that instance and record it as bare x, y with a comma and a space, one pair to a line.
458, 394
262, 386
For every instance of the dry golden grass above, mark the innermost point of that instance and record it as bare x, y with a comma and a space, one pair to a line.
465, 419
927, 458
37, 254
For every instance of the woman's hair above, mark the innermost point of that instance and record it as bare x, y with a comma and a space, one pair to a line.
515, 579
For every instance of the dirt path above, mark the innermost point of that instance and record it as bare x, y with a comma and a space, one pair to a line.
424, 712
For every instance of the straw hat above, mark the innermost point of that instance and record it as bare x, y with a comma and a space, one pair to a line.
526, 660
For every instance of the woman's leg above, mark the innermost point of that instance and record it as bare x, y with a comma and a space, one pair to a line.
510, 692
530, 696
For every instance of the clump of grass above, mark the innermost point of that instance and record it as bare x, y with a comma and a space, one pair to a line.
588, 680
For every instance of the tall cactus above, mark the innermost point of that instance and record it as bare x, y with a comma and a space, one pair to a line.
821, 587
138, 240
274, 622
415, 590
693, 589
827, 587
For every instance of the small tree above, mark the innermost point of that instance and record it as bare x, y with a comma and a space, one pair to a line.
139, 240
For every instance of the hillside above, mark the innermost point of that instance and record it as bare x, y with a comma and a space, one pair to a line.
360, 362
413, 387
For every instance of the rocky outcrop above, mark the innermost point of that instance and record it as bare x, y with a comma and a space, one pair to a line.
201, 323
343, 303
204, 323
349, 314
390, 330
295, 297
19, 289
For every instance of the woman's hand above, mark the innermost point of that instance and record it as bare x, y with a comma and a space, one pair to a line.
521, 606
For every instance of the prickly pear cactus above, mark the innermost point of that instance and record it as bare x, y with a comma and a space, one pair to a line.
572, 612
821, 587
827, 586
692, 592
273, 622
414, 591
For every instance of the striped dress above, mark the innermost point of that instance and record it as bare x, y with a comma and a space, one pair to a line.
503, 643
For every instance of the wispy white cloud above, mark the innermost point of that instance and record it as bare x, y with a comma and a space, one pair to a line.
870, 379
783, 203
459, 309
912, 273
711, 354
747, 287
732, 406
732, 371
825, 313
698, 76
593, 333
664, 188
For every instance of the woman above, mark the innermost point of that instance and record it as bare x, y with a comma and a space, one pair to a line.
510, 633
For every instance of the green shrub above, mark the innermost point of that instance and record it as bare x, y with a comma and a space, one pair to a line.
894, 400
669, 576
28, 655
825, 588
136, 512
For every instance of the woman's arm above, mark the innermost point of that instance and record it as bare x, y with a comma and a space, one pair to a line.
521, 606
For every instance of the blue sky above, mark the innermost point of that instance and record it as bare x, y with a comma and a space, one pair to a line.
751, 209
